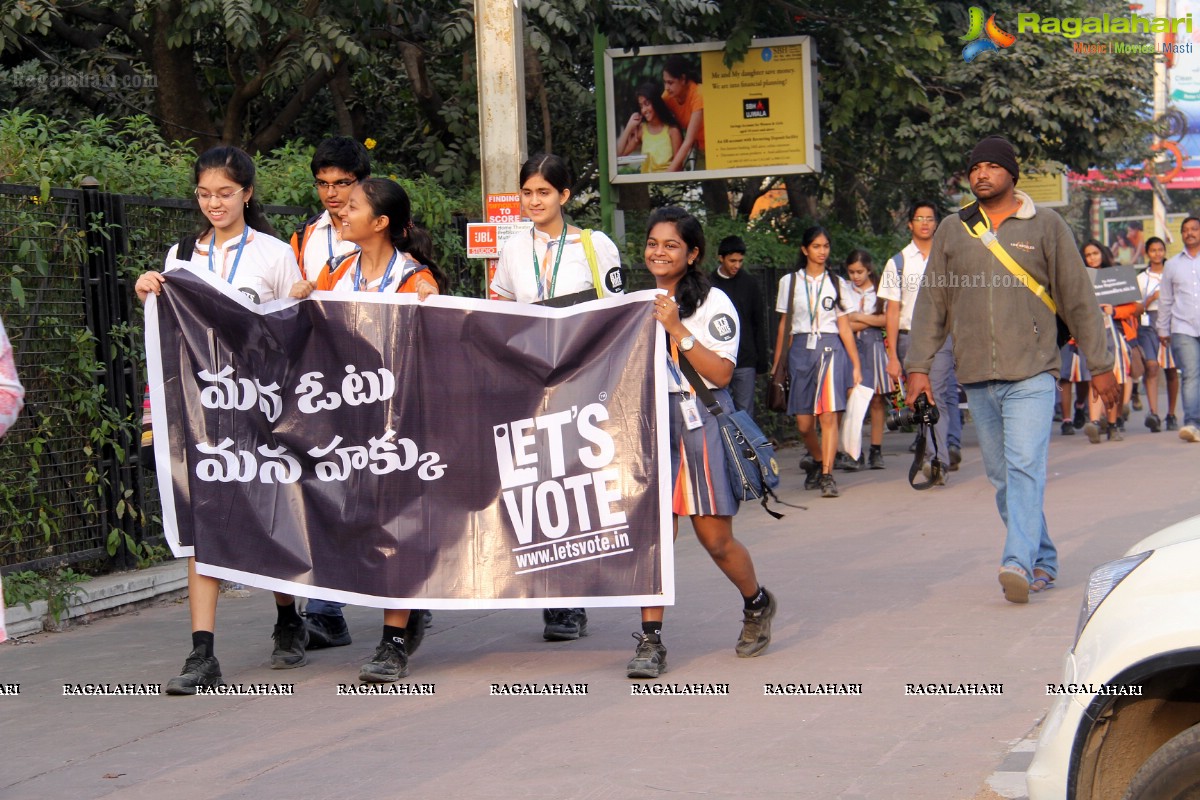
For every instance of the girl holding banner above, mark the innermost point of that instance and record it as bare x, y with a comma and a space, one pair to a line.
238, 244
703, 327
392, 256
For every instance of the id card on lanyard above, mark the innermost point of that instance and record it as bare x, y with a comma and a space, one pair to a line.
687, 406
212, 248
537, 269
814, 311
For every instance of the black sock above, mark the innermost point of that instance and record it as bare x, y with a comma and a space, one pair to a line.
203, 639
287, 615
653, 628
393, 634
758, 601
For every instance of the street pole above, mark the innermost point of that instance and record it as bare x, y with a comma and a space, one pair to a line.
500, 48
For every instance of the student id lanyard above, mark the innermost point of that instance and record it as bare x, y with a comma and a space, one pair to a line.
814, 310
691, 414
361, 286
212, 248
537, 269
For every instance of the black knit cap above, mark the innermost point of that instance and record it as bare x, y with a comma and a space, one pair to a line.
996, 150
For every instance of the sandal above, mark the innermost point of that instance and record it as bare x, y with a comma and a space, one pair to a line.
1041, 582
1014, 581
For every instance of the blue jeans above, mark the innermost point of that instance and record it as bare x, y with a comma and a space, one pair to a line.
943, 384
1013, 420
1186, 350
324, 607
741, 388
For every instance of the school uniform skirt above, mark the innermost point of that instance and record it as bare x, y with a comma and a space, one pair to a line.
1117, 345
820, 377
872, 359
699, 484
1152, 348
1073, 368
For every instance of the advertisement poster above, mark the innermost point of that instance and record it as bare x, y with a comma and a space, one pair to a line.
679, 113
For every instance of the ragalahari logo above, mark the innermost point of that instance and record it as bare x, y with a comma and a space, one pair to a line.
982, 37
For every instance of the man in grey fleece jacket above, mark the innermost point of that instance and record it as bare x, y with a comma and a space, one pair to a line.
1006, 348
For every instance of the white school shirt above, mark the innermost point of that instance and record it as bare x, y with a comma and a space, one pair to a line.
515, 278
322, 242
889, 283
1149, 282
715, 325
267, 271
820, 298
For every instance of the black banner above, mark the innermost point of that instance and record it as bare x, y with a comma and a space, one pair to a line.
380, 451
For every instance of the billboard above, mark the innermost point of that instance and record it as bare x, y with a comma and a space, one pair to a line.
678, 113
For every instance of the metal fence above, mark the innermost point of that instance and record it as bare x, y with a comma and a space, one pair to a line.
71, 478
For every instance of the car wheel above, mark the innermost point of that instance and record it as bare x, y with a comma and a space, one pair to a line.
1172, 773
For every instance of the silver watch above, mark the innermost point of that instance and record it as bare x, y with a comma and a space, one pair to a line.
687, 343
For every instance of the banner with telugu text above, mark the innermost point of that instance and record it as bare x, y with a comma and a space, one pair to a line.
378, 451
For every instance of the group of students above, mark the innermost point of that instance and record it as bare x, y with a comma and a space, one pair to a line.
365, 240
1139, 355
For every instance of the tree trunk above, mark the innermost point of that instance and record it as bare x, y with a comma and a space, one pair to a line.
350, 122
535, 88
182, 106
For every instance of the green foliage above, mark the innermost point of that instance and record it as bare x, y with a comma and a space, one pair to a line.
58, 589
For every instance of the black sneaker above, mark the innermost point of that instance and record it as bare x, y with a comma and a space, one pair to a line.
1153, 423
1172, 424
650, 658
1115, 433
1068, 429
875, 459
1080, 418
844, 462
828, 486
290, 642
198, 670
1136, 400
564, 624
756, 629
955, 458
326, 630
812, 473
389, 664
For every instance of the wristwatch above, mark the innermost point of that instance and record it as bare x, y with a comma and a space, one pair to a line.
687, 343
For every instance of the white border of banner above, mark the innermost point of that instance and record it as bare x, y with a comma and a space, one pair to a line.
162, 454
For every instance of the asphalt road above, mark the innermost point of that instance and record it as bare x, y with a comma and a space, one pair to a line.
883, 587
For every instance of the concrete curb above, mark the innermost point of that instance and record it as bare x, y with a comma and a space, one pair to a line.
102, 596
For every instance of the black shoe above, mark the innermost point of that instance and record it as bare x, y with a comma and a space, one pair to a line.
650, 658
955, 458
389, 664
828, 486
290, 642
564, 624
756, 629
1136, 400
927, 471
812, 470
875, 459
326, 630
844, 462
198, 670
1080, 417
1093, 430
1121, 424
1172, 423
1068, 429
1115, 434
1153, 423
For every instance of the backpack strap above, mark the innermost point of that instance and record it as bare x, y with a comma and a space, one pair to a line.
185, 248
335, 269
299, 236
589, 250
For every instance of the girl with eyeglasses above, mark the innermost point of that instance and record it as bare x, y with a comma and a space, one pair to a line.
236, 244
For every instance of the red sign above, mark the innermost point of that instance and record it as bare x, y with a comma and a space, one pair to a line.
502, 208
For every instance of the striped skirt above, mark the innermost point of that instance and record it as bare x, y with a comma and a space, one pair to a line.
872, 357
820, 377
700, 484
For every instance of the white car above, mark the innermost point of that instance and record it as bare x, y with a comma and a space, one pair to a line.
1126, 722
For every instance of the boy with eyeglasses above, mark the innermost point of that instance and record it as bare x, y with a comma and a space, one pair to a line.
338, 164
